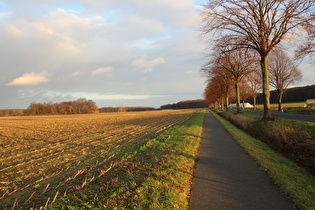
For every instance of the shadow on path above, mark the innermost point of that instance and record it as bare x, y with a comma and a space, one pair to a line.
227, 178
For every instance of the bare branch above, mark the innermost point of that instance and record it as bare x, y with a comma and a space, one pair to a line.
259, 25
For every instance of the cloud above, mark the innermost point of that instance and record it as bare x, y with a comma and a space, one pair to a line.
189, 72
97, 96
87, 46
29, 79
119, 97
10, 31
105, 70
77, 73
4, 14
148, 66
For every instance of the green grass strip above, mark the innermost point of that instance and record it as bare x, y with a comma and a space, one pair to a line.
292, 180
169, 186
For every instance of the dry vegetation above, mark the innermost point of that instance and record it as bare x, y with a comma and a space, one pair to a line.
50, 155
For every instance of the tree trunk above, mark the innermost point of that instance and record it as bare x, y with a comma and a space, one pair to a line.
255, 98
266, 89
280, 94
237, 91
227, 102
222, 104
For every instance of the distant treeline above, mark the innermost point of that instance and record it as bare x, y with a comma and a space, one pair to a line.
191, 104
291, 95
70, 107
80, 106
12, 112
125, 109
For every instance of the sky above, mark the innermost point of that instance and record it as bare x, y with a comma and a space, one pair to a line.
114, 52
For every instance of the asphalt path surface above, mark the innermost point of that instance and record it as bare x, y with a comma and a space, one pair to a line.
301, 117
227, 178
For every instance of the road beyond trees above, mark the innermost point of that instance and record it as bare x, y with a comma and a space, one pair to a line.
227, 178
301, 117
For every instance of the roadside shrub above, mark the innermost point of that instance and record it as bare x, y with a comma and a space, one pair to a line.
285, 136
241, 121
238, 119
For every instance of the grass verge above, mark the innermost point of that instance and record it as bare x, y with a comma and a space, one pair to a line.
292, 138
300, 111
294, 181
285, 105
294, 108
154, 175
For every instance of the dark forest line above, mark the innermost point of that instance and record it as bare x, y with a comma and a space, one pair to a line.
291, 95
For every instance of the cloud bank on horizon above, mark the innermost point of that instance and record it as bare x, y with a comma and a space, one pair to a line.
122, 52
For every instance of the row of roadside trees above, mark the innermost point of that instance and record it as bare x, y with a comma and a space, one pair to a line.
245, 33
235, 76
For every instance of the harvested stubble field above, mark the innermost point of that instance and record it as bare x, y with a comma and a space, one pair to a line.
42, 157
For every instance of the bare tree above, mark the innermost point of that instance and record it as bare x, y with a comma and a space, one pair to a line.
254, 83
220, 79
308, 47
213, 94
238, 63
223, 84
283, 72
256, 24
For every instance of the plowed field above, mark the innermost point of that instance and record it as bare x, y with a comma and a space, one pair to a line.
45, 154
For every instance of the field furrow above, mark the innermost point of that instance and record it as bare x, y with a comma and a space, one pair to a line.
37, 149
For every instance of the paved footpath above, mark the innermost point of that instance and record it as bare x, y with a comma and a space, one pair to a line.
227, 178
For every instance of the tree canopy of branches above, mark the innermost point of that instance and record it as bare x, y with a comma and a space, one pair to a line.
283, 72
219, 86
307, 48
256, 24
237, 64
253, 80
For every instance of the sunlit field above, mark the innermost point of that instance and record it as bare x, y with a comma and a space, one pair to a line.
42, 156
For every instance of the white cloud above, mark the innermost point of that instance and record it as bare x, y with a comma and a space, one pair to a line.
29, 79
10, 31
47, 32
119, 97
189, 72
97, 96
148, 66
105, 70
4, 14
77, 73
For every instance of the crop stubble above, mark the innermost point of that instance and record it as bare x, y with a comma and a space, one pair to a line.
37, 148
